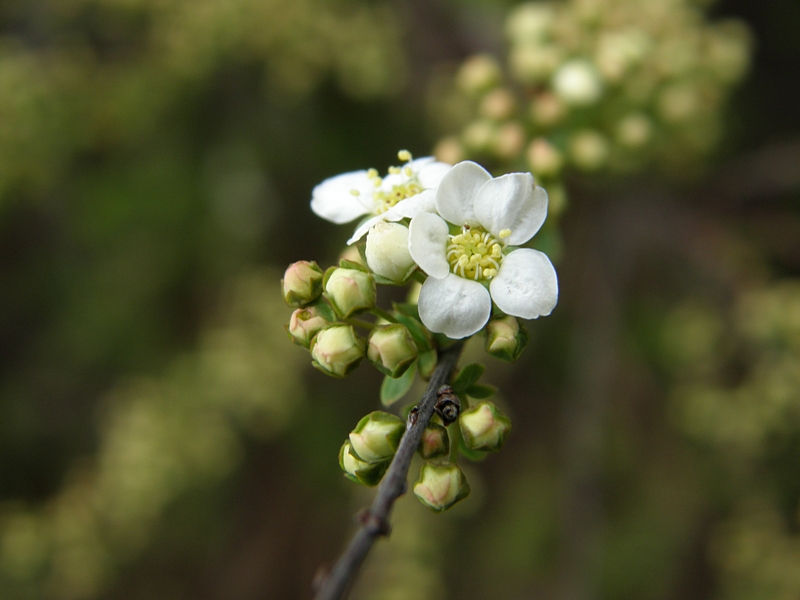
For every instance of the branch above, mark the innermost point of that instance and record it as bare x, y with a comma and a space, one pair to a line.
375, 521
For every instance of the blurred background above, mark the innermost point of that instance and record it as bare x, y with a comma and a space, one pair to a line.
160, 436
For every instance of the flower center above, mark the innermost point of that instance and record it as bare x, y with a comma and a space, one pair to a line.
386, 198
474, 253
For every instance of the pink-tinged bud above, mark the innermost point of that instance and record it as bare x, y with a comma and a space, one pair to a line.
391, 349
506, 338
359, 470
336, 349
484, 427
350, 291
377, 436
441, 486
302, 283
306, 322
435, 442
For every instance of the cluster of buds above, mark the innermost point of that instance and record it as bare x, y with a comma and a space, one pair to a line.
480, 429
370, 447
322, 320
457, 235
600, 85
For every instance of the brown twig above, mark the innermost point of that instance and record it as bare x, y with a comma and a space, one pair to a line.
375, 521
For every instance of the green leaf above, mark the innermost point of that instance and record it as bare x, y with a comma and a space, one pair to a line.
481, 391
393, 389
407, 308
427, 363
467, 377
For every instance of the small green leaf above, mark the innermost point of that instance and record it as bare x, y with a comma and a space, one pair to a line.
407, 308
427, 363
393, 389
467, 377
481, 391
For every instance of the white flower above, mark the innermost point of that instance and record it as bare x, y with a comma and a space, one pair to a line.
403, 193
494, 214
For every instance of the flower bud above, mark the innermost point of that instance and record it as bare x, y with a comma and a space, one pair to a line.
544, 159
578, 83
336, 349
350, 291
306, 322
377, 436
506, 338
391, 349
387, 251
589, 149
478, 73
359, 470
435, 442
302, 283
441, 486
484, 427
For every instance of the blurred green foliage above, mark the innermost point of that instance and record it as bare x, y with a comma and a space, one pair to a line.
160, 437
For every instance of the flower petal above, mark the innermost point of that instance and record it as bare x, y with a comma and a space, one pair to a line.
454, 306
512, 202
526, 285
409, 208
333, 199
405, 209
431, 173
364, 227
427, 242
457, 191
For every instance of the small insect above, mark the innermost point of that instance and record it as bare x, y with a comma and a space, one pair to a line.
448, 406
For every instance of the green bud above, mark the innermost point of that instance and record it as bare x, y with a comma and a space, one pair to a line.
350, 291
306, 322
302, 283
359, 470
440, 486
506, 338
391, 349
484, 427
435, 442
377, 436
336, 349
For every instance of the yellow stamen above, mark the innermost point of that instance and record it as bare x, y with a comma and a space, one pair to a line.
404, 155
474, 254
505, 233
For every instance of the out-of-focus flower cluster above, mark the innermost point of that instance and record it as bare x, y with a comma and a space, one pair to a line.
738, 392
596, 85
86, 88
160, 438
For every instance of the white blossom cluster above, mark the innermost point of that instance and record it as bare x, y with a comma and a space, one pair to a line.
458, 227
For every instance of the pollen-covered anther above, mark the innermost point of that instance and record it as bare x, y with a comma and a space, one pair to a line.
404, 155
505, 233
474, 254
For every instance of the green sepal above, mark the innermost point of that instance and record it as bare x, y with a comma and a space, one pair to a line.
427, 363
481, 391
349, 264
468, 453
467, 377
419, 332
392, 389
